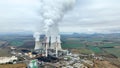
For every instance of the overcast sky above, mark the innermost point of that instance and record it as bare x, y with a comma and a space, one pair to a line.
88, 16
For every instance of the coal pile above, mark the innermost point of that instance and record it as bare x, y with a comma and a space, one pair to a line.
25, 50
48, 59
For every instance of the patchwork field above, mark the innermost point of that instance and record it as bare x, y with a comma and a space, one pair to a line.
93, 45
85, 43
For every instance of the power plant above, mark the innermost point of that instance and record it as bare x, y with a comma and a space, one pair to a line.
52, 13
47, 44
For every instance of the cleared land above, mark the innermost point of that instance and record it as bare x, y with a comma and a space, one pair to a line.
13, 66
104, 64
4, 52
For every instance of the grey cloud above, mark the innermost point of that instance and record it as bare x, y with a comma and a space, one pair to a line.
97, 15
88, 16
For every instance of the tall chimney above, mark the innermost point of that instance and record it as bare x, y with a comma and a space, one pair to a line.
46, 45
46, 50
56, 47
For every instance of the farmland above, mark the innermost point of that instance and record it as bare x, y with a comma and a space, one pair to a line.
93, 44
85, 43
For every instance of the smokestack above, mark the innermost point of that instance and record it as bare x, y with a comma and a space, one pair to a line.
56, 47
46, 50
46, 46
37, 41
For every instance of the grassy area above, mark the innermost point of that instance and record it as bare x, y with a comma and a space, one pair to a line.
114, 51
66, 45
109, 44
16, 43
85, 51
95, 49
77, 43
82, 50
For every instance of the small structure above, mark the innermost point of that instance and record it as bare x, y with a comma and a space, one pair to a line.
4, 60
33, 64
79, 65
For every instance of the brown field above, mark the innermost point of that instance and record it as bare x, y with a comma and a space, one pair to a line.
104, 64
4, 52
13, 66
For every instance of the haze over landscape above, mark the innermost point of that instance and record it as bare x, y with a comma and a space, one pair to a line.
59, 33
88, 16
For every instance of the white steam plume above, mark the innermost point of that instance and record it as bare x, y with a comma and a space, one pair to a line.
52, 12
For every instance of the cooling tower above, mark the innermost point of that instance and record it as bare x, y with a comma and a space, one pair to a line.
59, 43
37, 45
55, 41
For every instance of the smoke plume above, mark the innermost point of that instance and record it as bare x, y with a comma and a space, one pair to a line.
52, 12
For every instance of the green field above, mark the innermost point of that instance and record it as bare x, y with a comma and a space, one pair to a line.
95, 49
109, 44
85, 51
77, 43
16, 43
